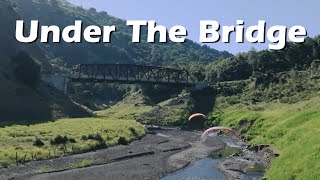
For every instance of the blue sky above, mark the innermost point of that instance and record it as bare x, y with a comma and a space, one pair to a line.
226, 12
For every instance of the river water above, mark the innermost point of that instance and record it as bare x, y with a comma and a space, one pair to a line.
202, 169
206, 168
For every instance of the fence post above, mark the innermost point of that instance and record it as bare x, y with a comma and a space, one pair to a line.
24, 158
17, 158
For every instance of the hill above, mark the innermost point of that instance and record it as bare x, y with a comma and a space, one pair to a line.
121, 50
269, 97
287, 119
56, 57
19, 102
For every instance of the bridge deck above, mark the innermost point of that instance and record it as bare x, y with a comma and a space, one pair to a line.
130, 73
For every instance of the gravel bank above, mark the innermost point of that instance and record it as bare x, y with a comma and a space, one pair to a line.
159, 153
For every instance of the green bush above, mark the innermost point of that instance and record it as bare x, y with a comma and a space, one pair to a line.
59, 139
84, 138
72, 140
96, 136
37, 142
123, 141
134, 132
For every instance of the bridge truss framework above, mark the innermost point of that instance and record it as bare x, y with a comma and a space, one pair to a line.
131, 73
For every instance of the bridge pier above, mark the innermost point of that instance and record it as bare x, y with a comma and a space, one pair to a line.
60, 82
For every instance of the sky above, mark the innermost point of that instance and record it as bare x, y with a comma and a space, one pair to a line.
189, 13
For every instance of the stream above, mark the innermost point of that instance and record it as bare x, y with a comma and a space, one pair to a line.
207, 168
202, 169
176, 153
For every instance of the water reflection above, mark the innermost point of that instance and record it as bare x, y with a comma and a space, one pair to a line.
203, 169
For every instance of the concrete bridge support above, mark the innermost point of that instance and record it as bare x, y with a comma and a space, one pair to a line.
60, 82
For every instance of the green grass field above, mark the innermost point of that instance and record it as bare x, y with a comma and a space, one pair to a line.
293, 130
134, 106
124, 110
116, 125
129, 108
83, 135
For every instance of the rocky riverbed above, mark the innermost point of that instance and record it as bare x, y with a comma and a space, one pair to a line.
160, 152
250, 162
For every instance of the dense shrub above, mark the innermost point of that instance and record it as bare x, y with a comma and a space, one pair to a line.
59, 139
72, 140
94, 136
37, 142
123, 141
134, 132
84, 138
97, 146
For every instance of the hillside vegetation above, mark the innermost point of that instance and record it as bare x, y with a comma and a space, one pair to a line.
140, 107
23, 98
58, 57
292, 130
22, 143
270, 97
21, 104
281, 112
29, 106
121, 50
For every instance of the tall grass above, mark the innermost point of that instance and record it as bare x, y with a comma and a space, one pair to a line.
293, 129
17, 142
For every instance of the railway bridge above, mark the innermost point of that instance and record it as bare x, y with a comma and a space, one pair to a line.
124, 74
131, 74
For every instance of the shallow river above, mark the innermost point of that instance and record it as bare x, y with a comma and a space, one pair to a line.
202, 169
207, 169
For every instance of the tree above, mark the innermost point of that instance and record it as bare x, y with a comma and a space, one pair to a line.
104, 14
54, 2
252, 58
25, 69
92, 10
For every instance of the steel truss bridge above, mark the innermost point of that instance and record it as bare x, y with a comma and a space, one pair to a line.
130, 74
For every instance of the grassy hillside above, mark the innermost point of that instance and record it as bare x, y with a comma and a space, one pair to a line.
10, 46
131, 107
141, 108
169, 112
284, 115
291, 128
21, 104
18, 98
121, 50
55, 57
